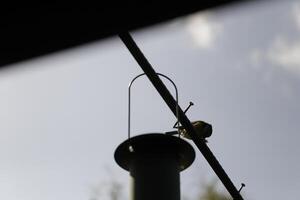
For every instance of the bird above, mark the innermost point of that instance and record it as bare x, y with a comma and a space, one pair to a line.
203, 130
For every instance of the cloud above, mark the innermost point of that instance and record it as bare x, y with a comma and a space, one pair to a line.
285, 54
281, 52
296, 13
203, 30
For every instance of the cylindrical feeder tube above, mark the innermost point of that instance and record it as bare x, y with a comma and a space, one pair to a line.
154, 162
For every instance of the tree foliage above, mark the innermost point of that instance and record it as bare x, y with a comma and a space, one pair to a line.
210, 192
113, 191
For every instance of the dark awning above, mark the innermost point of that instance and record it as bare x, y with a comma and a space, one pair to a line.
27, 32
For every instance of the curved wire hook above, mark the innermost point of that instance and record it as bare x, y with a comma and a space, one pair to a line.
129, 98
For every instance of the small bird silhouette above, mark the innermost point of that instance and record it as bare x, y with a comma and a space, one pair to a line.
203, 130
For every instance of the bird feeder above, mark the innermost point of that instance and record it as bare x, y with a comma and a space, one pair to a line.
154, 162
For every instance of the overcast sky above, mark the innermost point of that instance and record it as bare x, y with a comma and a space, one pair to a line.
63, 115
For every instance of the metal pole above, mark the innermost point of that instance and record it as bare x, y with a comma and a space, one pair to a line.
170, 101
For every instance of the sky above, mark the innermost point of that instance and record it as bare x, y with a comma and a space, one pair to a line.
63, 115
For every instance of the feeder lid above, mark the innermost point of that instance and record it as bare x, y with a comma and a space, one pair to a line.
154, 143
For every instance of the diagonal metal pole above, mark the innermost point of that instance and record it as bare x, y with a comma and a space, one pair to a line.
170, 101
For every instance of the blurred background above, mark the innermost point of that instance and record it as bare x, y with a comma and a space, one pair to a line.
63, 115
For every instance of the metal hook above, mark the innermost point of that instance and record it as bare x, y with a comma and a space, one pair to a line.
129, 100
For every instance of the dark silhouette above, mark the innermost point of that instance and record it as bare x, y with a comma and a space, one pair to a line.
154, 162
30, 31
